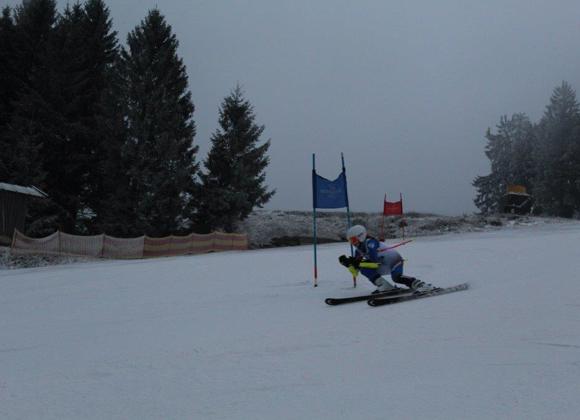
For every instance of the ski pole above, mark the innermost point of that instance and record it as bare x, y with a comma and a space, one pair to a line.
396, 245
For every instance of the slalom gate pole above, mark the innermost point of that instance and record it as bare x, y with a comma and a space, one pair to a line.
314, 192
347, 213
383, 220
402, 214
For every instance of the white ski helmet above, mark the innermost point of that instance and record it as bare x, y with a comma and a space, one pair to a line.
356, 234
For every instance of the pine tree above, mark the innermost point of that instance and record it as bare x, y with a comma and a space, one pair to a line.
558, 176
235, 167
67, 155
490, 188
59, 121
159, 155
488, 195
8, 87
95, 75
113, 215
25, 134
510, 155
60, 107
524, 143
7, 71
25, 37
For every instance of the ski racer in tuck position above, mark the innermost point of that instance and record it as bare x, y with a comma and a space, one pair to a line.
374, 259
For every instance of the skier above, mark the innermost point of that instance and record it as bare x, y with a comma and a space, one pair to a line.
374, 260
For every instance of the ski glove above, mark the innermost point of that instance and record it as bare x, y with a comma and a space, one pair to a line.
348, 261
357, 263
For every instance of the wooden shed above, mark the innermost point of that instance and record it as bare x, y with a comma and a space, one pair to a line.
13, 206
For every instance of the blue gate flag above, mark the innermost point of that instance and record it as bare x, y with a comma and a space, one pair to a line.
329, 194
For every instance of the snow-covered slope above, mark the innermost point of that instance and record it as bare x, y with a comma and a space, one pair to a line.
244, 335
282, 228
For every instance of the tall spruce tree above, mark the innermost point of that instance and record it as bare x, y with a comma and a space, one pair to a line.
113, 214
558, 169
524, 143
490, 188
573, 154
510, 154
8, 82
92, 76
58, 112
89, 52
24, 82
234, 181
27, 133
159, 155
8, 87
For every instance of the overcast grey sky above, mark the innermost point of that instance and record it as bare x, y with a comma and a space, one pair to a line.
406, 88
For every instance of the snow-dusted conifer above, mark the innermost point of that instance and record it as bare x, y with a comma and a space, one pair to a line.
159, 154
234, 181
558, 155
509, 152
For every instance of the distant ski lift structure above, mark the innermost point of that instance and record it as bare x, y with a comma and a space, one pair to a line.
517, 200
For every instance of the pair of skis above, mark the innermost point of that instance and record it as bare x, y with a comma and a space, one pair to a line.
396, 296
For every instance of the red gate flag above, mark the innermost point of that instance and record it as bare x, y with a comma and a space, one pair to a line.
393, 208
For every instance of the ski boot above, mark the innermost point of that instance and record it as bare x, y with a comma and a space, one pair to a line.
420, 286
382, 285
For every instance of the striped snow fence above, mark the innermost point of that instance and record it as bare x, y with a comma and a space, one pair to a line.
91, 246
60, 243
194, 243
123, 247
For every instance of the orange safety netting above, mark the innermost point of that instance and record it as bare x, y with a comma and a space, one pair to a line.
142, 247
194, 244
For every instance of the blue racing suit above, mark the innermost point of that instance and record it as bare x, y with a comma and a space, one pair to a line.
389, 261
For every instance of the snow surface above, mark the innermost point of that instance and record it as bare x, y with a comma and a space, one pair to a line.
244, 335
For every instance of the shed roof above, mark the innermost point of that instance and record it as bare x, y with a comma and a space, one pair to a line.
32, 190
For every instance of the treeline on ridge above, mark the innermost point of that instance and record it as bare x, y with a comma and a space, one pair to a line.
107, 131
